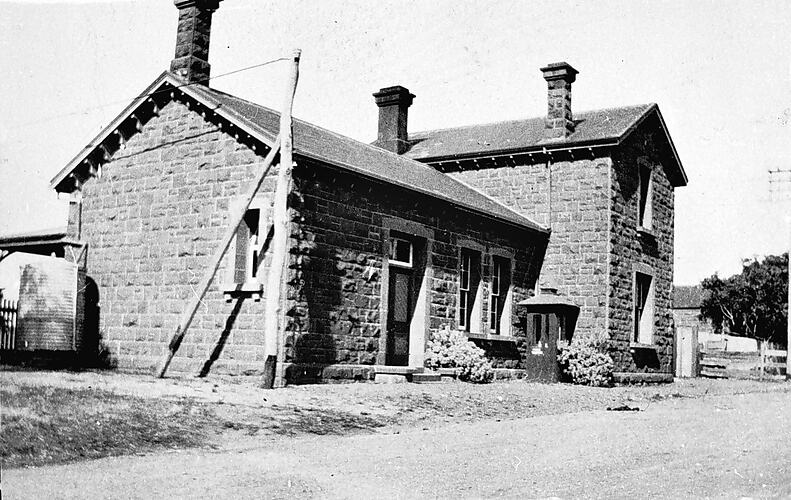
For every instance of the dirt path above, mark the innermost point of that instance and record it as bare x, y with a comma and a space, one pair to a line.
715, 446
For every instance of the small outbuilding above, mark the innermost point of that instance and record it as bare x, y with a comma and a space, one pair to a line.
546, 319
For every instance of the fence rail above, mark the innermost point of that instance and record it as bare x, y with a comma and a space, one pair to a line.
765, 364
8, 317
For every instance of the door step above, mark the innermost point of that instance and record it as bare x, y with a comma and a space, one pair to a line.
399, 374
426, 378
397, 370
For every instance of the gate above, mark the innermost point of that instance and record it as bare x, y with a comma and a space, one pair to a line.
8, 313
687, 352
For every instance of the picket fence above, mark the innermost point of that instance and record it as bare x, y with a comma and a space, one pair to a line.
8, 317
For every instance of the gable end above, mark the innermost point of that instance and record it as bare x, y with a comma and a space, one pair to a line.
666, 150
166, 88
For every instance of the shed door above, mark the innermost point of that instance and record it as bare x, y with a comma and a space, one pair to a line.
47, 306
542, 362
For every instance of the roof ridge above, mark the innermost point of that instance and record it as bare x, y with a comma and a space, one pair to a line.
519, 120
372, 147
336, 134
376, 149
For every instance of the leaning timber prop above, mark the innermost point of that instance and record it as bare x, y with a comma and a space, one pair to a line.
188, 314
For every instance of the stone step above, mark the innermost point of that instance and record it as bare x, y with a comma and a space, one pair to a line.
425, 378
397, 370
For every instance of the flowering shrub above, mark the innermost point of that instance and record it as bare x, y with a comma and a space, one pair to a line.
584, 361
451, 349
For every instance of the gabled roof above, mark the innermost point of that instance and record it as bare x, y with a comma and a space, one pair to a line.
687, 297
317, 143
602, 127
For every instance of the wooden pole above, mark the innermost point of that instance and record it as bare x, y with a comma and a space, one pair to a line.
788, 316
236, 218
274, 284
762, 354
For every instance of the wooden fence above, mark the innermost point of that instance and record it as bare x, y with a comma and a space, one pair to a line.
766, 364
8, 315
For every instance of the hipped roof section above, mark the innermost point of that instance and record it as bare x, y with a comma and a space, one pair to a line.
310, 141
606, 127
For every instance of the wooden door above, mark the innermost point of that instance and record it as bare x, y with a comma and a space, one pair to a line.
399, 316
542, 362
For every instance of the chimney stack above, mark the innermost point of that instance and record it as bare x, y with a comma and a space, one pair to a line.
191, 61
559, 123
393, 105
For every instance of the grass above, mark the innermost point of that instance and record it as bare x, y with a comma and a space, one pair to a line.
53, 417
49, 425
45, 425
292, 420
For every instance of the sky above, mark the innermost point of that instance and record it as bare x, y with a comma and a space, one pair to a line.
719, 70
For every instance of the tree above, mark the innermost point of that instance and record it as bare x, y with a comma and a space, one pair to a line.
753, 303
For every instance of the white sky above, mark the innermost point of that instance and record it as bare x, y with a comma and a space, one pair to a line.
720, 72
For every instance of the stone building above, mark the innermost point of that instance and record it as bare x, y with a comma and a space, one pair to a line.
686, 308
686, 318
603, 183
387, 242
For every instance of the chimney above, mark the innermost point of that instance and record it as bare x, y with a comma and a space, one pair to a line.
393, 104
191, 61
559, 123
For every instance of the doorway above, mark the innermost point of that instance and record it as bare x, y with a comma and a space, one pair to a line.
399, 316
404, 321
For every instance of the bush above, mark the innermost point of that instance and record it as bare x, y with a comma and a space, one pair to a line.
584, 361
451, 349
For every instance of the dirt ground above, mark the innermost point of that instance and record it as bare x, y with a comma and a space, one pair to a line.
693, 439
249, 411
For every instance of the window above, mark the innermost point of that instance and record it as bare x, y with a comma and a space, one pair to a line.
248, 248
646, 198
401, 252
564, 332
541, 332
643, 308
469, 281
501, 283
539, 327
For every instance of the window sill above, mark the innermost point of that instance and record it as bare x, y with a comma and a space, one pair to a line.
638, 345
251, 288
646, 232
495, 338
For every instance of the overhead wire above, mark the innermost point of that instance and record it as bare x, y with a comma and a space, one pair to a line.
121, 101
